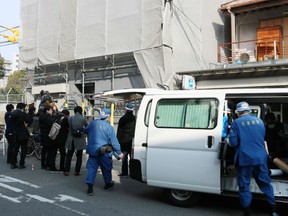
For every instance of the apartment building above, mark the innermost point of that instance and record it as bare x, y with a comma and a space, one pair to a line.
256, 52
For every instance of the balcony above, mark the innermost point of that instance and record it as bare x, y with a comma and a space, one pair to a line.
253, 51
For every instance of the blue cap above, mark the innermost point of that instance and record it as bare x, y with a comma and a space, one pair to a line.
104, 113
242, 106
129, 107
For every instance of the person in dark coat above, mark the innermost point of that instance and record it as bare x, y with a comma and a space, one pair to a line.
60, 141
21, 135
125, 135
274, 136
9, 132
45, 123
75, 143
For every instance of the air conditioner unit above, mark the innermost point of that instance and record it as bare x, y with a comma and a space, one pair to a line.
244, 57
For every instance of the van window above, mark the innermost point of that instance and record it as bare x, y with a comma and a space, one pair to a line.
187, 113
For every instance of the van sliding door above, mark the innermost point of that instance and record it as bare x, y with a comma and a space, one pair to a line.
182, 143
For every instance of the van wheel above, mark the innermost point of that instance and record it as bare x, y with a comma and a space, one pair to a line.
181, 198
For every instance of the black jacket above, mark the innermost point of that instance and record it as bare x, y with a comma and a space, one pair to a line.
126, 128
45, 124
9, 124
63, 133
20, 118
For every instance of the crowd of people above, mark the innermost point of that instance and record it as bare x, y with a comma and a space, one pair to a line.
72, 136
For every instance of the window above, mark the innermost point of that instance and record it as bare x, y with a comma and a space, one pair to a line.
187, 113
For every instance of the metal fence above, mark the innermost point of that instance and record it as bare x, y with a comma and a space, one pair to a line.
12, 98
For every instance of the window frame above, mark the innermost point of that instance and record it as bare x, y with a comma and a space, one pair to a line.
211, 119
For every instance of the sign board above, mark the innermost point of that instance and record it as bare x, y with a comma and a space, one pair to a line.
188, 82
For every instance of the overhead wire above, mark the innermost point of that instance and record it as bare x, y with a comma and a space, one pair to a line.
11, 38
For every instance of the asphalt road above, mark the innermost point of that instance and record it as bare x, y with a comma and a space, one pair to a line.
40, 192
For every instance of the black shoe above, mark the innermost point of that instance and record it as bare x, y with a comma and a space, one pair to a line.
77, 173
123, 175
9, 161
90, 190
22, 166
54, 169
14, 166
108, 186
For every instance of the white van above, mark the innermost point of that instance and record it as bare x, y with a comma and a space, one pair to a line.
178, 143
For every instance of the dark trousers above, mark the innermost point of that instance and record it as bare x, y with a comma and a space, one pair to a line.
106, 164
125, 163
262, 178
10, 141
62, 151
52, 153
17, 145
126, 150
69, 159
44, 156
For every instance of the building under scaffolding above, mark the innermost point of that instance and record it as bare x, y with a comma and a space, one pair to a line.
99, 45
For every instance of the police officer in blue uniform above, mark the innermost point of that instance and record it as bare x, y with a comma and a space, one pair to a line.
247, 137
101, 134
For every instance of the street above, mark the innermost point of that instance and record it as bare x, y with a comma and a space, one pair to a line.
41, 192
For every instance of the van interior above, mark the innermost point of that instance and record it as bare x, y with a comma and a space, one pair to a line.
260, 106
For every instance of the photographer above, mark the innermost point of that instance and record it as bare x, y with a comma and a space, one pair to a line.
46, 100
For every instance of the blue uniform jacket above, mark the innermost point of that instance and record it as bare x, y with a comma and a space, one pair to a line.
100, 133
247, 136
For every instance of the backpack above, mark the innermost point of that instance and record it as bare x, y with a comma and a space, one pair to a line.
54, 131
75, 131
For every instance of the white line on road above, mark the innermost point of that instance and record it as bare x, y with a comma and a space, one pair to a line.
64, 207
10, 179
62, 198
39, 198
15, 200
10, 188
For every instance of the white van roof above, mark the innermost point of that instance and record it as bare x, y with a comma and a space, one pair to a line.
132, 94
137, 93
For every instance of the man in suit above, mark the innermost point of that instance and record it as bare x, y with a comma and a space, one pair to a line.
21, 135
125, 135
9, 132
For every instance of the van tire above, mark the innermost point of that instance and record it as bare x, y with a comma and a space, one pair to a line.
181, 198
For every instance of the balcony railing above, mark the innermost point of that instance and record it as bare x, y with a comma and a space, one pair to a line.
253, 50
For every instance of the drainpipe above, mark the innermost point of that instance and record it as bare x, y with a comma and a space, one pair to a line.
233, 31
